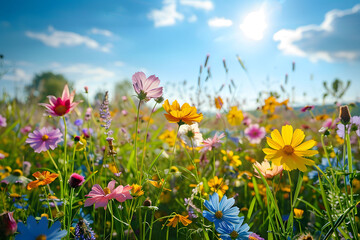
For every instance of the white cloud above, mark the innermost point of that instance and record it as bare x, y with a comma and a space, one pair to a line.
119, 64
336, 38
86, 70
17, 75
219, 22
192, 18
103, 32
57, 38
199, 4
167, 15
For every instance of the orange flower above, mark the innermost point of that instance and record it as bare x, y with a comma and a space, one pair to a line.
219, 102
42, 179
179, 218
185, 114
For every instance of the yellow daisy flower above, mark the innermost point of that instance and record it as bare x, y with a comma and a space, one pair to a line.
235, 116
287, 149
180, 115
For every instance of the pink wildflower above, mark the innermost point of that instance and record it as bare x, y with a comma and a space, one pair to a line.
101, 196
61, 106
210, 143
255, 133
146, 88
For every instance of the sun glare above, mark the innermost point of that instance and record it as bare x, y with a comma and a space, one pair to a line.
254, 25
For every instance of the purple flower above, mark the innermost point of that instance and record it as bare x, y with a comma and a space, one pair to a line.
43, 139
255, 133
78, 122
255, 236
146, 88
2, 121
354, 123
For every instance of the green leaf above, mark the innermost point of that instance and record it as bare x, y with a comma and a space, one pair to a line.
339, 221
251, 208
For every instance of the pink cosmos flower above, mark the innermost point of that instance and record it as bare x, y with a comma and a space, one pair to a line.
255, 133
61, 106
101, 196
25, 129
210, 143
330, 123
43, 139
267, 170
146, 88
2, 121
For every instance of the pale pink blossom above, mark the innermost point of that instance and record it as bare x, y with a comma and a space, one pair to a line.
267, 170
146, 88
211, 143
100, 197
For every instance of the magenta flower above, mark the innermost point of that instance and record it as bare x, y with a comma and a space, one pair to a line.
8, 225
211, 143
101, 196
76, 180
307, 108
146, 88
43, 139
61, 106
255, 133
2, 121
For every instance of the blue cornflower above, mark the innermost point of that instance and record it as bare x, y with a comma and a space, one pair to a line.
85, 217
237, 231
222, 213
78, 122
40, 230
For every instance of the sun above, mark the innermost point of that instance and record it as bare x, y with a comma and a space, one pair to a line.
254, 25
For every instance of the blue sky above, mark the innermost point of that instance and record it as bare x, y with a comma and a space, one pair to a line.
97, 43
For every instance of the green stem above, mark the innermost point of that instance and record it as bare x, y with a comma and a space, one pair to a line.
60, 177
70, 211
136, 135
145, 141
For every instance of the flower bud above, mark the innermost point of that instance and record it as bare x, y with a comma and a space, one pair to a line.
147, 203
8, 225
76, 180
344, 115
159, 99
86, 89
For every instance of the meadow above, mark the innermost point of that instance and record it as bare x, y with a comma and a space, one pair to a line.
144, 167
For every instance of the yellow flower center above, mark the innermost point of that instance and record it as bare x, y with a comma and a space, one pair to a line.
41, 177
288, 150
234, 234
45, 137
218, 214
41, 237
107, 190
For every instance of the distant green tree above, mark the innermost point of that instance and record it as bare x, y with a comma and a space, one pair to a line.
337, 89
45, 84
123, 88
